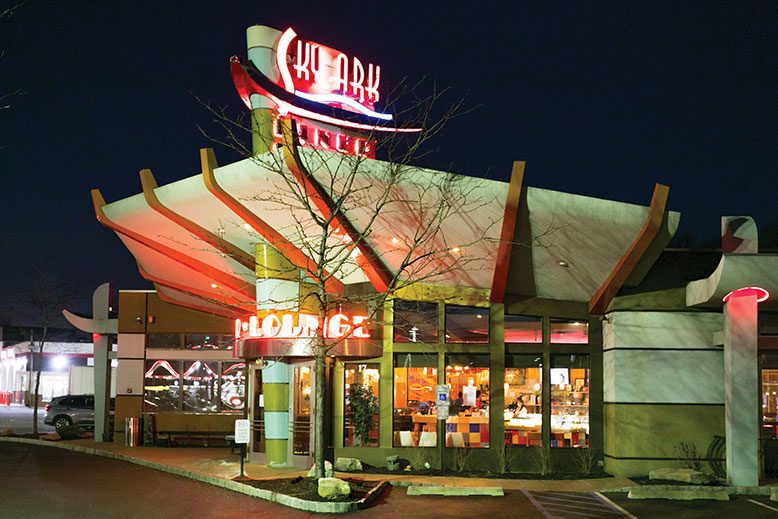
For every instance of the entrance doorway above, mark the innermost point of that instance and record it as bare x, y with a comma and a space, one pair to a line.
301, 410
300, 414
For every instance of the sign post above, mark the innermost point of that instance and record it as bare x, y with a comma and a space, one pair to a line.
242, 433
442, 401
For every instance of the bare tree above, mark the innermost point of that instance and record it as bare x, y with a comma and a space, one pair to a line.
5, 96
400, 224
42, 300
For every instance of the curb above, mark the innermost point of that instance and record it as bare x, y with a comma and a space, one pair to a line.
267, 495
732, 491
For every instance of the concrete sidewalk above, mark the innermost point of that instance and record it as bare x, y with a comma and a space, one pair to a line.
218, 463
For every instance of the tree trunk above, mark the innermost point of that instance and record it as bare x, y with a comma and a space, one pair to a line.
318, 425
35, 400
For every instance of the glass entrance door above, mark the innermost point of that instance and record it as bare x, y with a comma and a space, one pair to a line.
257, 413
302, 410
769, 413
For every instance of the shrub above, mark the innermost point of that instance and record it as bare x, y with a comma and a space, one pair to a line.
687, 455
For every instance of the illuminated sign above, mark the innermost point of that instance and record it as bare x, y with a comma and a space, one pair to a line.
291, 325
325, 75
331, 96
316, 136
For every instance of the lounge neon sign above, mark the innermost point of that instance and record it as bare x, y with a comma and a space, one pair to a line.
293, 325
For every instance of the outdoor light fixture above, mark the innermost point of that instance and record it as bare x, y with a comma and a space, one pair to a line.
247, 226
563, 264
214, 285
455, 249
60, 362
760, 293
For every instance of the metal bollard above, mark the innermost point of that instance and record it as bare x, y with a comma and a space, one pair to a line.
133, 431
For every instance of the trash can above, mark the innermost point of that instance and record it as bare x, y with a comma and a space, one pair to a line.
133, 429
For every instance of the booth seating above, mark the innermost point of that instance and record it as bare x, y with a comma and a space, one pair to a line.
428, 439
173, 429
455, 439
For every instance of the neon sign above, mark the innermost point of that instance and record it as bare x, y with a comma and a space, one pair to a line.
325, 75
315, 136
331, 96
292, 325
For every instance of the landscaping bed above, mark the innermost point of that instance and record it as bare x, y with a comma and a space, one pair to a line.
307, 488
481, 474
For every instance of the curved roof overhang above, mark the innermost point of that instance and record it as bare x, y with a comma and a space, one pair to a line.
195, 238
736, 271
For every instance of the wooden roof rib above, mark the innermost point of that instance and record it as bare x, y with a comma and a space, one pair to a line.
379, 275
504, 250
610, 287
220, 277
149, 184
273, 237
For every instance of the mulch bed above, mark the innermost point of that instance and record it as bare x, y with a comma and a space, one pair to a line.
480, 474
307, 488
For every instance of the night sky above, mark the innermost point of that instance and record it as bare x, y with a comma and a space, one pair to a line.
600, 99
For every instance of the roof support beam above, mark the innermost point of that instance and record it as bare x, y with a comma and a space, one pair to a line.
376, 271
611, 286
150, 184
230, 304
218, 276
192, 306
505, 248
273, 237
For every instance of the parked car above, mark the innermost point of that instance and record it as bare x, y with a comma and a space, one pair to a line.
67, 410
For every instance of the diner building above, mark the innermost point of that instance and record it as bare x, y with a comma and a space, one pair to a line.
570, 327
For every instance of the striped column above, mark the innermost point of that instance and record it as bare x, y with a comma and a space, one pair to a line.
278, 281
275, 388
260, 41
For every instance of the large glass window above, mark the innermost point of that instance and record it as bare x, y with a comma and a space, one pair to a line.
569, 400
232, 390
523, 389
523, 329
468, 421
200, 387
360, 427
568, 331
467, 324
194, 386
414, 420
162, 385
415, 321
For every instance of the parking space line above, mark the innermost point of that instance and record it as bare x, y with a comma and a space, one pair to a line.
560, 505
614, 505
550, 502
537, 505
763, 505
577, 496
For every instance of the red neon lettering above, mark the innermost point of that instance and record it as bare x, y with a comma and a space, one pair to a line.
337, 326
271, 325
303, 58
282, 326
373, 79
358, 77
340, 82
359, 331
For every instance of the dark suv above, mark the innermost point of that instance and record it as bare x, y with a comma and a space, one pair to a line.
67, 410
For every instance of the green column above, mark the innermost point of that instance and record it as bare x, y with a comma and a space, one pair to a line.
275, 390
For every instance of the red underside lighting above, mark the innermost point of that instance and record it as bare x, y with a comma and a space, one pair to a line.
760, 293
